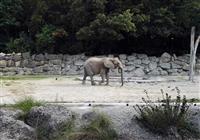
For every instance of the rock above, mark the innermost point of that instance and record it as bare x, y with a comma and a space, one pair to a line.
138, 72
56, 62
170, 71
183, 73
11, 113
9, 69
184, 58
175, 66
154, 72
17, 63
46, 68
145, 61
50, 120
55, 70
28, 71
10, 63
137, 61
197, 66
38, 69
122, 56
142, 56
186, 67
13, 129
130, 63
72, 71
131, 58
2, 55
53, 56
152, 65
31, 64
17, 57
153, 59
39, 57
165, 66
165, 57
129, 68
26, 55
10, 73
163, 73
20, 71
3, 63
178, 62
79, 63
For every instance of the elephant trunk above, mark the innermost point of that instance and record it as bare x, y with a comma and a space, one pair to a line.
120, 70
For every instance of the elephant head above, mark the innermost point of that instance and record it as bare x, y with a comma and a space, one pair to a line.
113, 63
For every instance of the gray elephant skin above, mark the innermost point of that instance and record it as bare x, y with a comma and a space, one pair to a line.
94, 66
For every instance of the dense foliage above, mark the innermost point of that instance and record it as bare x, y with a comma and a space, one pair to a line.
97, 26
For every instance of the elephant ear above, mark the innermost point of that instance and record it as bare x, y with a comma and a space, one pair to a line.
108, 63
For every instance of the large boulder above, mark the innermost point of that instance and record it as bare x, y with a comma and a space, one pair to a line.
10, 63
26, 55
122, 57
13, 113
154, 72
17, 57
3, 63
165, 66
49, 120
138, 72
152, 65
131, 58
13, 129
39, 57
165, 57
56, 62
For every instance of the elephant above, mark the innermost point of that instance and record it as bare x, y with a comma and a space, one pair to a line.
95, 65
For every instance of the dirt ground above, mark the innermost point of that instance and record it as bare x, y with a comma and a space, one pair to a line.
71, 90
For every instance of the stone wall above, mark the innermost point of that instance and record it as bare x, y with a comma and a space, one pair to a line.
135, 64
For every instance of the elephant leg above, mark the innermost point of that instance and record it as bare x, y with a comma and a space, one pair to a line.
84, 78
107, 78
102, 74
92, 80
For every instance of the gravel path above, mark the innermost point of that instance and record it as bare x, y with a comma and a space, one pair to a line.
70, 89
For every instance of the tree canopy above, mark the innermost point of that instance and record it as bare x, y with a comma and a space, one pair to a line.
109, 26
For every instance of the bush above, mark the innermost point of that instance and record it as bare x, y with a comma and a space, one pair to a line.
167, 118
99, 129
21, 44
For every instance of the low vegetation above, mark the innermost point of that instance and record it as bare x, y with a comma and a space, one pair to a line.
25, 105
168, 117
98, 129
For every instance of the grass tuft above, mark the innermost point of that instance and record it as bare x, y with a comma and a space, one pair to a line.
170, 117
25, 105
99, 129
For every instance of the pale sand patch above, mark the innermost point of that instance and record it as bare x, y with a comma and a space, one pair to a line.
66, 89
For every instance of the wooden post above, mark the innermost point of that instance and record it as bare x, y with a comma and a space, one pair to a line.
193, 49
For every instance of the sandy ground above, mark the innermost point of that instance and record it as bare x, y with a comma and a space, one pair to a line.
70, 89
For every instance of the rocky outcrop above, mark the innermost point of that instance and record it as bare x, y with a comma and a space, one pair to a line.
13, 129
135, 64
49, 120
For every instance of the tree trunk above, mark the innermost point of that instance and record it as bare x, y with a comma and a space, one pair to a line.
193, 49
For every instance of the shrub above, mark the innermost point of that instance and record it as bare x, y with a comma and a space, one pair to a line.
168, 117
21, 44
99, 129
